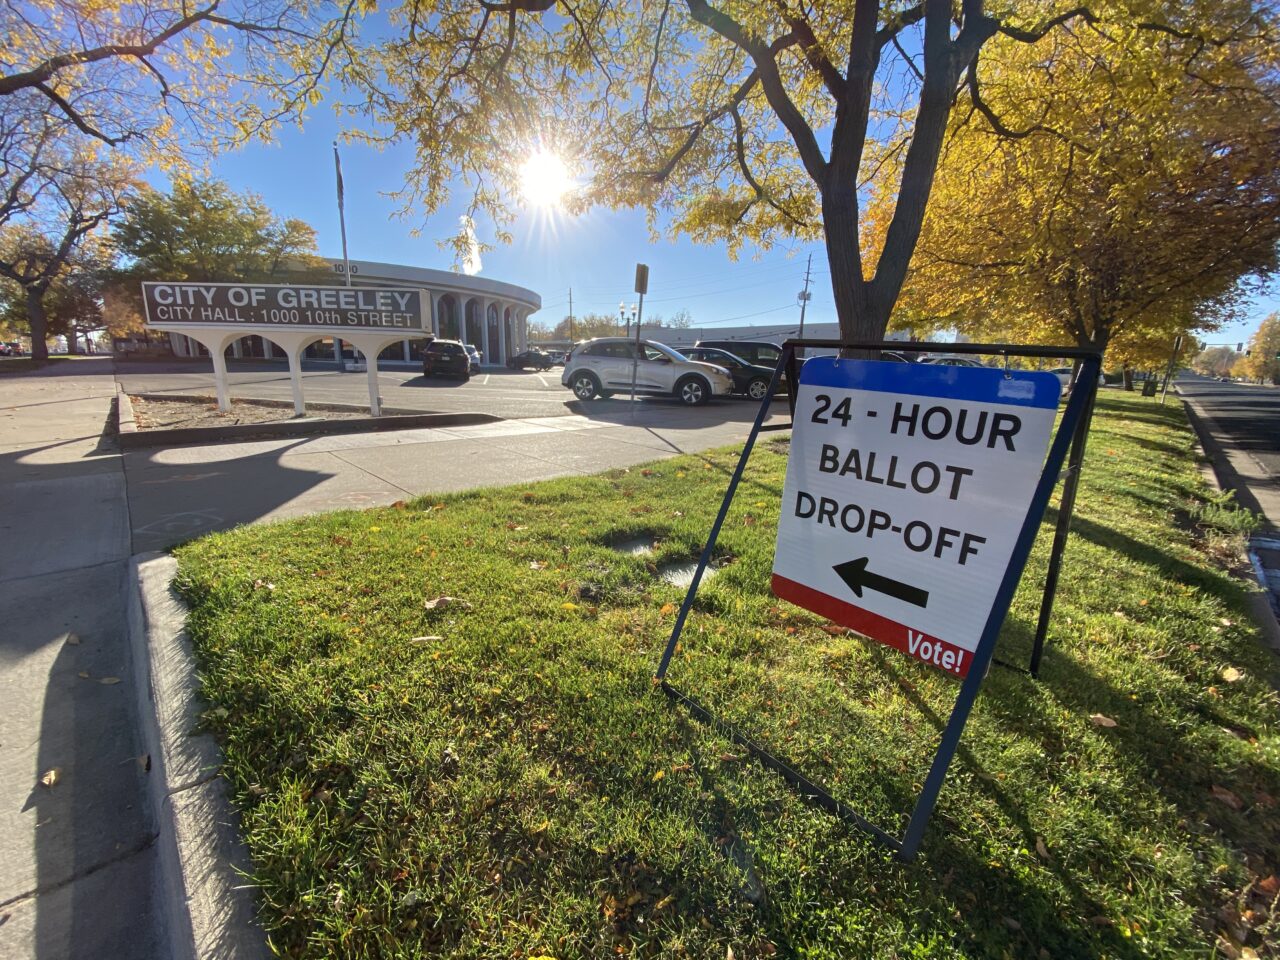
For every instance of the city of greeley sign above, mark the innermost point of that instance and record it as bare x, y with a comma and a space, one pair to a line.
291, 316
361, 308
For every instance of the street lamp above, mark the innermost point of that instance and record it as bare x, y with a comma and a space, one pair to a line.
623, 318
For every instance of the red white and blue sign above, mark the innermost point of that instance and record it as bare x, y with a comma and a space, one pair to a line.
907, 485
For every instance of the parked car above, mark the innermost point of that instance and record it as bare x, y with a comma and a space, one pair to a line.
6, 350
1064, 375
446, 358
760, 352
476, 356
11, 349
749, 378
951, 360
602, 367
557, 356
530, 358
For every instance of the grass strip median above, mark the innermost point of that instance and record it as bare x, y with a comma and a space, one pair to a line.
440, 727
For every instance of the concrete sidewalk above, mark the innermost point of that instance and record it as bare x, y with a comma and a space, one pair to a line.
76, 858
183, 492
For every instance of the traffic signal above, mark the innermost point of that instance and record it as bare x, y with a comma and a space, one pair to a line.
1239, 347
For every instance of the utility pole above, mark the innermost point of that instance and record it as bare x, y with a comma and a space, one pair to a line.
571, 340
805, 297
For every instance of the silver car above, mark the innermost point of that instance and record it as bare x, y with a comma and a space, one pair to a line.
604, 366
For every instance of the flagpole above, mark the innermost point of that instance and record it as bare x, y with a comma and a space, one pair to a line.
346, 262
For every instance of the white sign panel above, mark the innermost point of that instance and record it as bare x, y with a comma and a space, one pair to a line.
906, 487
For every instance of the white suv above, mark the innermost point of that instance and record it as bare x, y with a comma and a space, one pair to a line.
602, 367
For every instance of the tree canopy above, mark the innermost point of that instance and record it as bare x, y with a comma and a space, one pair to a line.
739, 120
165, 80
1122, 204
1263, 362
204, 230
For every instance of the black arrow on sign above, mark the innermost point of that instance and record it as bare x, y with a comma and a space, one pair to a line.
857, 576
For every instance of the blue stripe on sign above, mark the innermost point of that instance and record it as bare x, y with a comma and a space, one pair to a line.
1021, 388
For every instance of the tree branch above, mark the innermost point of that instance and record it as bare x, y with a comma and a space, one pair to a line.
44, 71
72, 114
813, 52
740, 148
770, 80
1039, 33
695, 131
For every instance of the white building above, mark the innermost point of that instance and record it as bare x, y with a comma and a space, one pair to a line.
491, 314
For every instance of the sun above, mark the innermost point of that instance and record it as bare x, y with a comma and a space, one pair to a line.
544, 180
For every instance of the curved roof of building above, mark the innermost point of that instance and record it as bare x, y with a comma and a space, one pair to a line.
442, 281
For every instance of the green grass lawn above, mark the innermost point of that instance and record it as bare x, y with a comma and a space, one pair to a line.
496, 776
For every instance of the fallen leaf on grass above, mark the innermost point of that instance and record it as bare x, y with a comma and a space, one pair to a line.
51, 778
399, 505
421, 640
537, 565
1231, 675
1270, 886
440, 603
659, 775
567, 605
1227, 797
1099, 720
667, 609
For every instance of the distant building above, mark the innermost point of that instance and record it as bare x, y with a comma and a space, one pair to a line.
491, 314
678, 337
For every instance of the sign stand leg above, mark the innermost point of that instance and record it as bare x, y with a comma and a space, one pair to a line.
999, 608
1065, 510
724, 512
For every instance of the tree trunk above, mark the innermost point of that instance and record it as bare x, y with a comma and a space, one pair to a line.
36, 321
1127, 373
844, 256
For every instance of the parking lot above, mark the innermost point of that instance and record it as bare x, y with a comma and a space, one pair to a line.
500, 392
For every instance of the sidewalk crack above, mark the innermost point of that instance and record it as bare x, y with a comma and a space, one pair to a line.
123, 855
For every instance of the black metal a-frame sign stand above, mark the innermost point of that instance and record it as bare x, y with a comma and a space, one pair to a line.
1067, 448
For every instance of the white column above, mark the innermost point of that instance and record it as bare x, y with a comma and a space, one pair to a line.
220, 376
235, 348
433, 322
484, 329
405, 344
502, 332
295, 380
371, 365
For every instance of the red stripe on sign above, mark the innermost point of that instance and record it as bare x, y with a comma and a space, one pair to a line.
938, 653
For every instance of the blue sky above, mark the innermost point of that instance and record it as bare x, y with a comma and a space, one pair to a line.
595, 254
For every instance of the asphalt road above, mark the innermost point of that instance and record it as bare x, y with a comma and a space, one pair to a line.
1246, 419
511, 394
1249, 414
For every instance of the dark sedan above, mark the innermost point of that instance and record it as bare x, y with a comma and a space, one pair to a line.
531, 358
749, 378
446, 358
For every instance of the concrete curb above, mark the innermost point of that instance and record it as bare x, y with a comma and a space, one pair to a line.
1218, 472
206, 906
298, 428
125, 422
